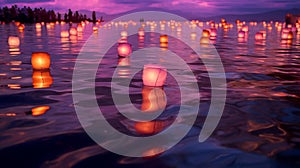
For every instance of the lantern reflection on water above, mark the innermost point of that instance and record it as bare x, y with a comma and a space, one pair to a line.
124, 49
154, 75
124, 34
259, 36
73, 31
21, 27
205, 33
13, 42
41, 79
204, 40
154, 99
36, 111
150, 127
141, 32
40, 60
213, 33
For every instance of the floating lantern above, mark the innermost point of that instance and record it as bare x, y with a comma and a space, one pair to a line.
41, 79
241, 34
73, 31
205, 33
38, 26
193, 35
259, 36
36, 111
21, 27
124, 49
290, 35
79, 28
150, 127
154, 75
95, 29
286, 35
245, 28
64, 34
204, 40
264, 34
13, 42
163, 39
124, 34
141, 32
164, 46
213, 33
154, 99
40, 60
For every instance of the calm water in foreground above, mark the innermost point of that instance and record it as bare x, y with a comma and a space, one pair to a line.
260, 125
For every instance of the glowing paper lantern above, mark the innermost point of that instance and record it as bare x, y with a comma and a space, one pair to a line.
154, 75
79, 28
151, 127
290, 35
141, 32
241, 34
73, 31
245, 28
259, 36
95, 29
36, 111
213, 33
21, 27
124, 61
124, 49
13, 42
264, 34
124, 34
205, 33
41, 79
204, 40
163, 39
154, 99
40, 60
38, 26
64, 34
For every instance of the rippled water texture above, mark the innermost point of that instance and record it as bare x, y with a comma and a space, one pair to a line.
260, 125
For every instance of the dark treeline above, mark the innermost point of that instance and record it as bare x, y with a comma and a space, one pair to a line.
36, 15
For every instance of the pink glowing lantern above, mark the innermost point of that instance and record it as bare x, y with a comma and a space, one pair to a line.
213, 33
13, 42
287, 35
264, 34
259, 36
241, 34
73, 31
154, 75
38, 26
124, 49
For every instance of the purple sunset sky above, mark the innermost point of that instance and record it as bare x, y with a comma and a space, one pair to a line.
201, 7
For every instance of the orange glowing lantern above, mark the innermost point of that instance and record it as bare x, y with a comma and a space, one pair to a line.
245, 28
150, 127
141, 32
205, 33
241, 34
38, 26
154, 75
40, 60
204, 40
259, 36
290, 35
13, 42
124, 61
64, 34
21, 27
36, 111
124, 49
79, 28
41, 79
154, 99
264, 34
73, 31
95, 29
163, 39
